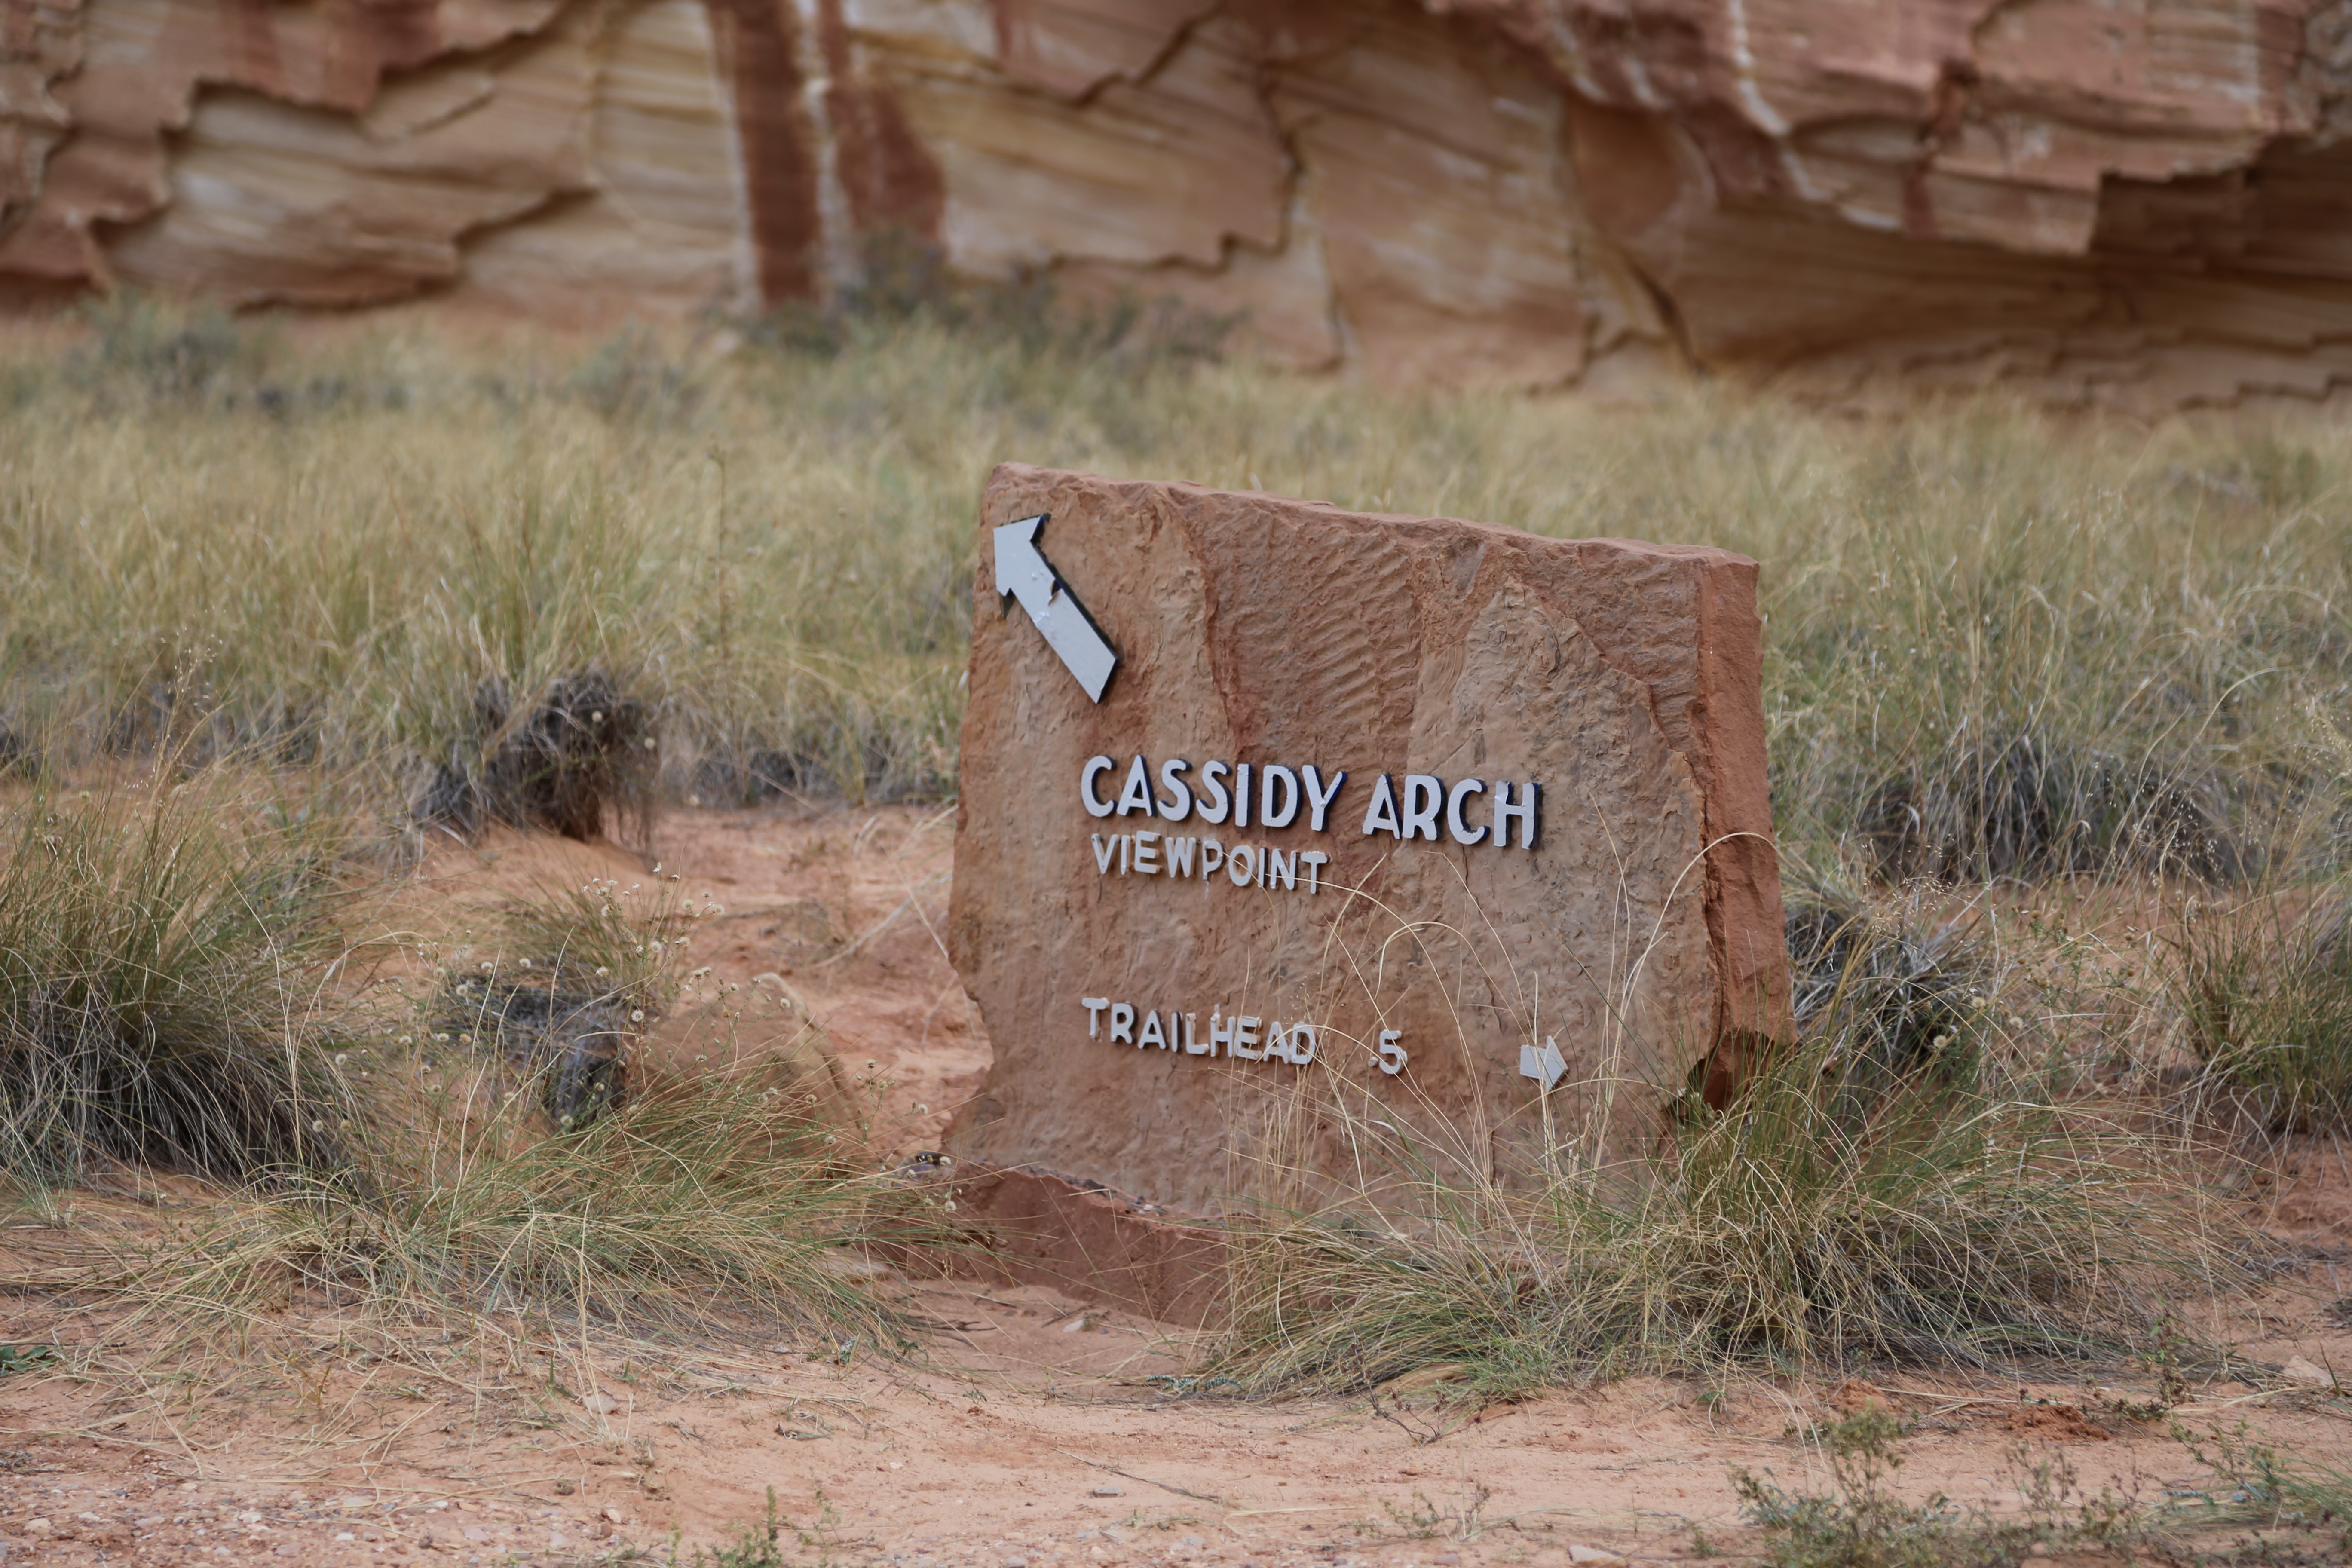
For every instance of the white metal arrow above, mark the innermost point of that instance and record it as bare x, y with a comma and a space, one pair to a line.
1023, 572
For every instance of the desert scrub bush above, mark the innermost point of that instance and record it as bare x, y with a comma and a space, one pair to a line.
579, 754
155, 350
2264, 987
154, 357
1843, 1209
1902, 993
166, 948
2267, 1489
632, 376
572, 980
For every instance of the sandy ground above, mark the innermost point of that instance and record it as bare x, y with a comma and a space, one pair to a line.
1039, 1428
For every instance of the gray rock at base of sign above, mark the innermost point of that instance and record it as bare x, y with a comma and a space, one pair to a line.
1642, 933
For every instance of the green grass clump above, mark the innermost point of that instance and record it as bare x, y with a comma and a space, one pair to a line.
1864, 1523
585, 975
163, 948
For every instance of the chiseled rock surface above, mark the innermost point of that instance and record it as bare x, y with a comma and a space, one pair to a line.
1641, 928
2097, 201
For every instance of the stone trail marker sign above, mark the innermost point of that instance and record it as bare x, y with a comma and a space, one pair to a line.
1296, 846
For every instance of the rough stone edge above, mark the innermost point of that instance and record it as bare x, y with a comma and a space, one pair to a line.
1722, 738
1039, 1227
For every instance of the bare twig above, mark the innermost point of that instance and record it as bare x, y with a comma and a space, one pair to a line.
1147, 1480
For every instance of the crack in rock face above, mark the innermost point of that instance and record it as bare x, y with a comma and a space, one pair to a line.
2130, 205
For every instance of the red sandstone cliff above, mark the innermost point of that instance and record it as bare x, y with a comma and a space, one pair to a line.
2146, 201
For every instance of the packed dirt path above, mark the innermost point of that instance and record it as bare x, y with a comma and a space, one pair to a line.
1063, 1436
1038, 1429
1035, 1426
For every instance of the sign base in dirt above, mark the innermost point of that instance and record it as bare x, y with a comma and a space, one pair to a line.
1300, 852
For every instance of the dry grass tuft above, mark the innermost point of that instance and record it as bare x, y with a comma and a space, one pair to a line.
1842, 1211
479, 1153
165, 995
2001, 644
2265, 992
1903, 993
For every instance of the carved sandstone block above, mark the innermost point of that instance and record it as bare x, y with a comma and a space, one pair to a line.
1376, 817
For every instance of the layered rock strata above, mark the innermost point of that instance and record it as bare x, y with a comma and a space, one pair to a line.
1393, 843
2120, 200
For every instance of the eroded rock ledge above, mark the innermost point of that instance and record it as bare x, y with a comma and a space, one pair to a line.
2106, 201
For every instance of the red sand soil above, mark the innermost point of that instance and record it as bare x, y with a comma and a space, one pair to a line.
1033, 1432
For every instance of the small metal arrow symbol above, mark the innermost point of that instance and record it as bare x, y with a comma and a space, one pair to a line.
1023, 573
1545, 1066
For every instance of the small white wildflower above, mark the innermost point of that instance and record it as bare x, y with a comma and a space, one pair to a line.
602, 972
595, 717
636, 1015
408, 1039
442, 1038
